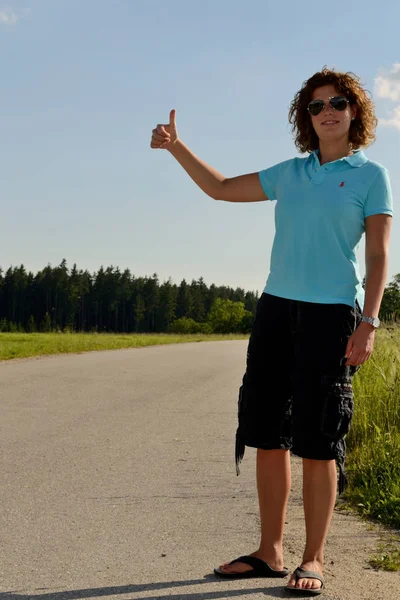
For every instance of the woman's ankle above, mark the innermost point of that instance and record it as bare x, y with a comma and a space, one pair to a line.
273, 547
313, 557
272, 553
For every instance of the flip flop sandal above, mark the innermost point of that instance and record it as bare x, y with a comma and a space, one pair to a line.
303, 574
260, 569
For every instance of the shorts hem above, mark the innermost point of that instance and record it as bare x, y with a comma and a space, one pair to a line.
261, 446
312, 455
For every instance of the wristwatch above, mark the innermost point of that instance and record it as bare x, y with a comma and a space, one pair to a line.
374, 321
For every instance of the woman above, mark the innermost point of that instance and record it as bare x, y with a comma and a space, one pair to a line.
314, 324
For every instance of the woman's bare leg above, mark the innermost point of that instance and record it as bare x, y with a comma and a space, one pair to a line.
273, 485
319, 495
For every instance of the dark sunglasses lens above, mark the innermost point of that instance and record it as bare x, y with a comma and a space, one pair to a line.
338, 103
315, 107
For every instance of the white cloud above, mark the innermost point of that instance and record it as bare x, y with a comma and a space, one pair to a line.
387, 87
394, 120
8, 16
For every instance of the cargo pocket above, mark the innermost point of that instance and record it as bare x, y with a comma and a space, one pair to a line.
337, 413
338, 405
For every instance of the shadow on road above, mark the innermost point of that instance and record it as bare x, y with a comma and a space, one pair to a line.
271, 592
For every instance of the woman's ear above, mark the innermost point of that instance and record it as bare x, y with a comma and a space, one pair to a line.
354, 111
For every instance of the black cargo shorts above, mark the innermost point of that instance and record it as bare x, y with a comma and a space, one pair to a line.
297, 391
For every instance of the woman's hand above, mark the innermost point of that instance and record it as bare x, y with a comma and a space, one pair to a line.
165, 136
360, 345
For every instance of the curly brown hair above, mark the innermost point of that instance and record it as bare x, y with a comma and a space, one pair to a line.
362, 129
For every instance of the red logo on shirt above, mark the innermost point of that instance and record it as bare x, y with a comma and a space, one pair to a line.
342, 184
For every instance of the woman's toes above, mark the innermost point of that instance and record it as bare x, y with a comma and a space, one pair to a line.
308, 584
235, 568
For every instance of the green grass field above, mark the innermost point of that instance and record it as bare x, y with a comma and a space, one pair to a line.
373, 443
374, 439
24, 345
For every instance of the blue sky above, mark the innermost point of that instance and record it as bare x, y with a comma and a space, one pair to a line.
84, 83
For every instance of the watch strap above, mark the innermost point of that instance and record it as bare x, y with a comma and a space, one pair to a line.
372, 321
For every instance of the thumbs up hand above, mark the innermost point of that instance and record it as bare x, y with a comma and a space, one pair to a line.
165, 136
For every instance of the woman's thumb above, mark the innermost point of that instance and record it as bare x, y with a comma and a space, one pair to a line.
172, 118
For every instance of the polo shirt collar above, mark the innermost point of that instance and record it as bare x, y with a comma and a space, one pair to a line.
355, 160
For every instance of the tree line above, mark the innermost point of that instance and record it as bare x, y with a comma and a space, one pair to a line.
111, 301
59, 299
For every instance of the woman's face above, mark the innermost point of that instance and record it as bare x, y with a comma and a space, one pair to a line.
331, 124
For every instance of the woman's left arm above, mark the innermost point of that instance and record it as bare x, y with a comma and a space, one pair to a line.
377, 234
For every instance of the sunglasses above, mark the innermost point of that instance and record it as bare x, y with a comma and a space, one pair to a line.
336, 102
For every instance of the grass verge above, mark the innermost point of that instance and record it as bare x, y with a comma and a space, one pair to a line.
24, 345
373, 443
387, 556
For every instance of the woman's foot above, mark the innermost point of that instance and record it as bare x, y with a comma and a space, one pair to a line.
305, 583
275, 561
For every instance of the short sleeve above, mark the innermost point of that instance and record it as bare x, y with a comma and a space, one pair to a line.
379, 198
269, 179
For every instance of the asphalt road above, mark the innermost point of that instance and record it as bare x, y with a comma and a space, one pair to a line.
118, 480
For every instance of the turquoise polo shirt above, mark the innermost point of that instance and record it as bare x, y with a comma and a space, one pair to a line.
319, 222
